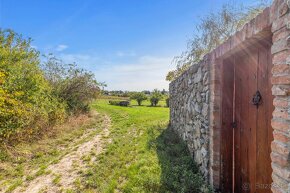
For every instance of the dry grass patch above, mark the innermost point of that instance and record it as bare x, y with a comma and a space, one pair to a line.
27, 160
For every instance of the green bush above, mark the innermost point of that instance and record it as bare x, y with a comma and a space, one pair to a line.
139, 97
120, 103
74, 86
26, 100
155, 97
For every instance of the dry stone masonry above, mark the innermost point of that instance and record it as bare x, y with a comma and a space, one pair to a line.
189, 112
195, 98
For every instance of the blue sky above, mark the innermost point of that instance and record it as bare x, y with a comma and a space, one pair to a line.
129, 44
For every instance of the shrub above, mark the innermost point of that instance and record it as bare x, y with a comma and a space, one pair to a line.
74, 86
155, 97
26, 101
167, 102
139, 97
120, 103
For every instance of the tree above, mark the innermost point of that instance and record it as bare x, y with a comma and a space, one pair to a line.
214, 29
155, 97
72, 85
139, 97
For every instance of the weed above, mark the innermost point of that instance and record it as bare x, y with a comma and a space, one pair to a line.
56, 179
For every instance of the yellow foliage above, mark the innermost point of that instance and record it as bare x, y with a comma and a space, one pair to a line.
26, 102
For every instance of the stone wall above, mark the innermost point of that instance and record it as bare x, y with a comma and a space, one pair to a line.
196, 98
189, 111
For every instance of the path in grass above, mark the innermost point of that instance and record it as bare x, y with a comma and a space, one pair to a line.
64, 175
130, 150
144, 156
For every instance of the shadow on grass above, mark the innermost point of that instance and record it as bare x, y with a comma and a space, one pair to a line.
179, 171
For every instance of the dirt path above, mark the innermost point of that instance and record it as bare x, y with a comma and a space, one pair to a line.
63, 174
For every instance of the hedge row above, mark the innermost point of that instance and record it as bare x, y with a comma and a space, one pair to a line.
29, 101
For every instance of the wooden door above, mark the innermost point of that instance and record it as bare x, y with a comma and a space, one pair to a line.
245, 147
253, 131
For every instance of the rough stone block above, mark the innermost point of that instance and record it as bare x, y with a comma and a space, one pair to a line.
279, 46
280, 148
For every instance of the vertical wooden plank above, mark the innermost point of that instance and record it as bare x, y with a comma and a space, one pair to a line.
227, 130
244, 122
264, 128
242, 86
251, 127
237, 118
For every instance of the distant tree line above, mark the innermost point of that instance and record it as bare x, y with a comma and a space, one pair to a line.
154, 97
120, 93
36, 95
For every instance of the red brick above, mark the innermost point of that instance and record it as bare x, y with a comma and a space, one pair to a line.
281, 79
279, 125
280, 90
283, 69
282, 103
262, 21
281, 171
279, 160
280, 23
280, 148
279, 136
238, 38
274, 9
277, 190
279, 182
281, 57
279, 46
283, 9
280, 113
281, 34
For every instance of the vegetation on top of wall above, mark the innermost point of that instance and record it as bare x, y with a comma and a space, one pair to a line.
212, 30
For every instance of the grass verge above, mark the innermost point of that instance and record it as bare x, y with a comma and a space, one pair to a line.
143, 155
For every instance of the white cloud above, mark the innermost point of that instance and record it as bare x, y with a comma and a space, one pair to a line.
61, 47
147, 73
87, 61
123, 54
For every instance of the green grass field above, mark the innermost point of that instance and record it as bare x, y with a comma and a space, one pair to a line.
143, 156
139, 155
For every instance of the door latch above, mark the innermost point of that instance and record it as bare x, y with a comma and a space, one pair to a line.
257, 99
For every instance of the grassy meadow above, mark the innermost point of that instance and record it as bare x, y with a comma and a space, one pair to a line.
143, 156
140, 154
